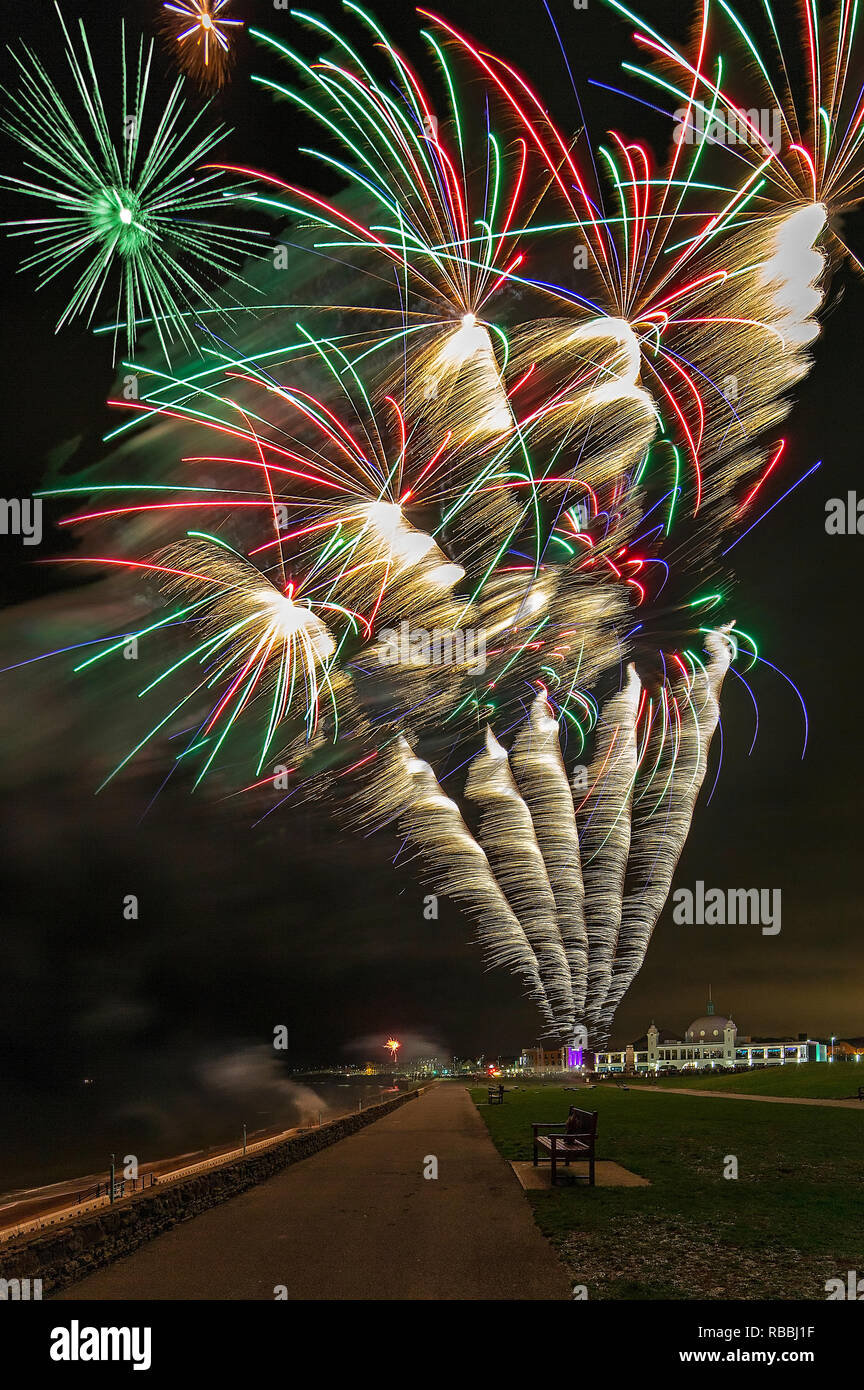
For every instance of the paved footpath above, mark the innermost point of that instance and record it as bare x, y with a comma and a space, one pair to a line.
748, 1095
359, 1221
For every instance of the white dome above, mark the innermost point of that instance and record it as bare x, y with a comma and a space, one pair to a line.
708, 1029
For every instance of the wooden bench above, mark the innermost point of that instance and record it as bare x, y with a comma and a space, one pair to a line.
576, 1140
496, 1095
861, 1092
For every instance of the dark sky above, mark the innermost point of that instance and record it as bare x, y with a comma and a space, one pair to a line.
241, 929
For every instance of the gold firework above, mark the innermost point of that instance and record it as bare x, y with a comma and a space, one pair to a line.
201, 31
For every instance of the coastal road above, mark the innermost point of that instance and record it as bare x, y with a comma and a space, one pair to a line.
360, 1221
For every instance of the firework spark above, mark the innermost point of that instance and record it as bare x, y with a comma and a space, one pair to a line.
202, 31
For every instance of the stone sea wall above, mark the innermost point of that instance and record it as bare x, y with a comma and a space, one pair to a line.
62, 1254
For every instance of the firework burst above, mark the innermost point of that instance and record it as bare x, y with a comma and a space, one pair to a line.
202, 32
556, 470
121, 209
441, 216
739, 89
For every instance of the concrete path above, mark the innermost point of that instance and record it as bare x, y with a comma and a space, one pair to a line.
747, 1095
360, 1221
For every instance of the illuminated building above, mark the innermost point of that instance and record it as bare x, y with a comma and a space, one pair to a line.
709, 1041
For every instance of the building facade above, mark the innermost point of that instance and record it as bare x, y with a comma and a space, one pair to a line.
544, 1059
709, 1041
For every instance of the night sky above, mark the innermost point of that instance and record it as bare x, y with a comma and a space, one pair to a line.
296, 921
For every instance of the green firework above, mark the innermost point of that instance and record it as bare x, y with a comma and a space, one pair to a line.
124, 210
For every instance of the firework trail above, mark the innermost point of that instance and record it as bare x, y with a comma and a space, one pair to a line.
507, 834
604, 819
662, 813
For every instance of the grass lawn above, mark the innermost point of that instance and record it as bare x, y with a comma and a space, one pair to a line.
827, 1080
793, 1218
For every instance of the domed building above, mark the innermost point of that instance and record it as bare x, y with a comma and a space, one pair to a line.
709, 1041
710, 1028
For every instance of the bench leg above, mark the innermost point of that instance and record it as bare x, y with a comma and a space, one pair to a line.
554, 1164
591, 1171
